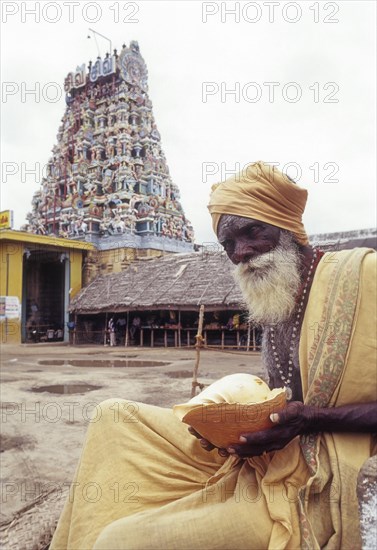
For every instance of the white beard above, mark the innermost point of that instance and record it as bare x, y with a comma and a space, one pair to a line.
270, 282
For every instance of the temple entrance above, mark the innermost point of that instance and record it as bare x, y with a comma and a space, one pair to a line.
44, 296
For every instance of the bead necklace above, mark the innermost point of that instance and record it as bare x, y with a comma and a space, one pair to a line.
286, 376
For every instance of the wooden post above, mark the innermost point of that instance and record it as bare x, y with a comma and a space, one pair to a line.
127, 325
105, 338
198, 345
74, 330
6, 294
248, 336
179, 328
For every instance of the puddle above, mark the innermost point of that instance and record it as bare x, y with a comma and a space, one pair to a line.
8, 442
5, 379
179, 374
52, 362
107, 363
66, 388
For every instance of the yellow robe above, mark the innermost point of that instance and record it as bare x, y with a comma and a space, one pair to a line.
144, 483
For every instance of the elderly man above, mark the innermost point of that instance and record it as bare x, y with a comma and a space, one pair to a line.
288, 487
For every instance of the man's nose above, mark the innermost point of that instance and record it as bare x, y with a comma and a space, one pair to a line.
242, 253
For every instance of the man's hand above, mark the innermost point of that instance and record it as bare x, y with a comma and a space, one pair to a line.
290, 422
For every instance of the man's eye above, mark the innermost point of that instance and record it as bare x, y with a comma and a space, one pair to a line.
253, 229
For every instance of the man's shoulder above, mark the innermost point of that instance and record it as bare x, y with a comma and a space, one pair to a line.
353, 264
349, 256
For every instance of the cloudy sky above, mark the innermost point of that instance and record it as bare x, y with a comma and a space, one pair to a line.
292, 83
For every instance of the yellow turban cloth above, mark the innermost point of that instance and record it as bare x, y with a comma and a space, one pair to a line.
260, 191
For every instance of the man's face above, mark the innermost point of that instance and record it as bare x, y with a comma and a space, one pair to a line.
245, 238
268, 266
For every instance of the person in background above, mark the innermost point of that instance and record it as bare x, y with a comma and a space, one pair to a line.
135, 326
111, 330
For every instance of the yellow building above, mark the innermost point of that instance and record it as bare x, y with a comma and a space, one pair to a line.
39, 277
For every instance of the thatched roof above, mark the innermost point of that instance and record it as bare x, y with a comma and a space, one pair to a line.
177, 281
330, 242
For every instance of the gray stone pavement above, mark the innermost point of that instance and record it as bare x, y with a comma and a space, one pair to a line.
43, 432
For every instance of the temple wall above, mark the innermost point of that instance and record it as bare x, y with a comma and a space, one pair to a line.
103, 262
21, 282
11, 254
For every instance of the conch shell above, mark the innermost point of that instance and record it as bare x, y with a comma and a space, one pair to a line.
235, 404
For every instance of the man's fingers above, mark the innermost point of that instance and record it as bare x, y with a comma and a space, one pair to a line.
194, 432
206, 444
291, 412
223, 452
203, 442
255, 438
245, 451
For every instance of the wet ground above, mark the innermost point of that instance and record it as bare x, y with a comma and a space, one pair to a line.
49, 392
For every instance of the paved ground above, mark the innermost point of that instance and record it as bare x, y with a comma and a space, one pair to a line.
42, 432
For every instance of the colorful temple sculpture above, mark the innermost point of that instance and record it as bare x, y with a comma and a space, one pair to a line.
107, 181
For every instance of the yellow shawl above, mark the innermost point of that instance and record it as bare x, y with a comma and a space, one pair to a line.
315, 476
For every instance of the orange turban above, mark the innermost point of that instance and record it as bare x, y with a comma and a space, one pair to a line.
262, 192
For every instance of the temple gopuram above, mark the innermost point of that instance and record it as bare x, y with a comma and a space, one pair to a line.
107, 181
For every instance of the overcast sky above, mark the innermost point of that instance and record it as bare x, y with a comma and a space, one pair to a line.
303, 76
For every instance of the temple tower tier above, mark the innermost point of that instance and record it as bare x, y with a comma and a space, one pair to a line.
107, 181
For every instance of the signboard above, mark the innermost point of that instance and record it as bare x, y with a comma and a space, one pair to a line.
6, 219
75, 79
10, 307
102, 67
